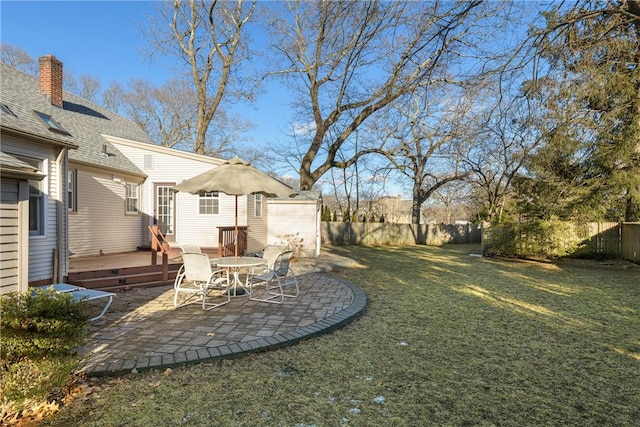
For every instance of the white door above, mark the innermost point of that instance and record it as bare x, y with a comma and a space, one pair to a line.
164, 210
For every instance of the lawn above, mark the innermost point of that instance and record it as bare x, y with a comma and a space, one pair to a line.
448, 339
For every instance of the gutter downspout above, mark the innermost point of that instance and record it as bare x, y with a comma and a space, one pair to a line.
61, 163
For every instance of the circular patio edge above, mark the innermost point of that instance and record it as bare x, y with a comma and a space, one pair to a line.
238, 349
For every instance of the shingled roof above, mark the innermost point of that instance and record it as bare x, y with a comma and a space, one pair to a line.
85, 122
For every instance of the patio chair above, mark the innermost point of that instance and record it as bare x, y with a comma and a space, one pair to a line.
191, 249
186, 249
274, 279
198, 279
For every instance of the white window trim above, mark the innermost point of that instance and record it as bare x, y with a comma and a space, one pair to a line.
127, 198
256, 212
201, 198
43, 166
45, 202
72, 187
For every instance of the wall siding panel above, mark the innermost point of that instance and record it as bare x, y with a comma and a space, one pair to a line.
257, 233
40, 265
293, 221
9, 235
41, 247
100, 197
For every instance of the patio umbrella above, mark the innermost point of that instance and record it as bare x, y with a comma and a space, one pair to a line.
235, 177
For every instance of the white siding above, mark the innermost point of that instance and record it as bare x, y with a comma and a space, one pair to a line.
41, 247
100, 224
193, 228
292, 219
172, 166
257, 236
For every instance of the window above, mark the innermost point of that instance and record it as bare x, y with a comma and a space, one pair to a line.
148, 161
72, 201
51, 123
37, 199
209, 203
36, 208
131, 202
5, 108
258, 205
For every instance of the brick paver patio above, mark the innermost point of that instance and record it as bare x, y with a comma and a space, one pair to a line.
142, 330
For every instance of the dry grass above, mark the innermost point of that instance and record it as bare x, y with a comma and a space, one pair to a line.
448, 339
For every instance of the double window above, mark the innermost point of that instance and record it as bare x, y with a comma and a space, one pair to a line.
209, 203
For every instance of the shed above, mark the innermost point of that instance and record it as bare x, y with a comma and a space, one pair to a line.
295, 221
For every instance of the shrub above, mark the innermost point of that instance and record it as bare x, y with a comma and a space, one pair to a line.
40, 323
547, 239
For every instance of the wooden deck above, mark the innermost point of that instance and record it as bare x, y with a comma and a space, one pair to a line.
124, 271
122, 260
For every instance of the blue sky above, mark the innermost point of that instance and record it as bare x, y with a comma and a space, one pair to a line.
103, 39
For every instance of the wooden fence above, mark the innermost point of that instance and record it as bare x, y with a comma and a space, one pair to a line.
630, 241
610, 239
602, 238
384, 233
620, 240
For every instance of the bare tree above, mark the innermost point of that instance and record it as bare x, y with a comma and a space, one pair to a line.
509, 133
225, 135
113, 97
423, 139
165, 113
209, 38
449, 203
86, 86
18, 58
349, 60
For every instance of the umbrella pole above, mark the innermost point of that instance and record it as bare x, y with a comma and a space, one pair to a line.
236, 239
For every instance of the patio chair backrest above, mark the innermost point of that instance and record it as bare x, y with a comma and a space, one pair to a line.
191, 249
197, 267
281, 265
271, 253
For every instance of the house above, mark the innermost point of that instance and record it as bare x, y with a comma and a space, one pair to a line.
186, 218
33, 175
103, 181
26, 186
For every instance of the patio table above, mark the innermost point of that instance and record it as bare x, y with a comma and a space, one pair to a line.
235, 264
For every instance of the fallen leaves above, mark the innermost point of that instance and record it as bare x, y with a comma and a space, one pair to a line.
35, 412
32, 415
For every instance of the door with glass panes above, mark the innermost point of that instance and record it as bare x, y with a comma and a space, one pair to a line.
164, 212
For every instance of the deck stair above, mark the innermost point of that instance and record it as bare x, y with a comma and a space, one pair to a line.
117, 279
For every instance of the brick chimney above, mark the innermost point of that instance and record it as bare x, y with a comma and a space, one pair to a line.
51, 79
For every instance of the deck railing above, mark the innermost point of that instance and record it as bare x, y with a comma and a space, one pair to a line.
226, 241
